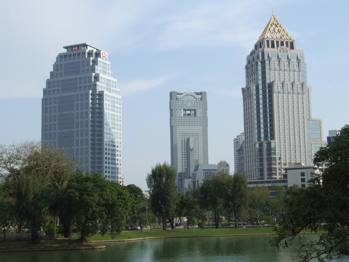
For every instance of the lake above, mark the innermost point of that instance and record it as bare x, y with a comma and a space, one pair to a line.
220, 249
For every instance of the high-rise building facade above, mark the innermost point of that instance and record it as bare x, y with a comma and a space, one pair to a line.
239, 156
276, 102
82, 111
332, 135
315, 137
189, 142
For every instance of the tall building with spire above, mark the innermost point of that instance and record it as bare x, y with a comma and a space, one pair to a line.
82, 111
276, 101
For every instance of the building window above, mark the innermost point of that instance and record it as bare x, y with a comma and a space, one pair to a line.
189, 112
302, 174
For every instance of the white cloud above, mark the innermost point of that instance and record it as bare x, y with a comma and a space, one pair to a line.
34, 31
212, 23
143, 85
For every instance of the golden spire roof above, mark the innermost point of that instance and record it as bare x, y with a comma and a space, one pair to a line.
274, 30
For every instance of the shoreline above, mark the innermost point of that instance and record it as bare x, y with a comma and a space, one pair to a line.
47, 246
97, 242
175, 237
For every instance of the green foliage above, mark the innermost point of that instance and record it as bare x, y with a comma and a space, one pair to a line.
189, 207
83, 192
224, 194
257, 202
324, 206
42, 188
214, 195
163, 194
237, 196
116, 205
6, 212
138, 207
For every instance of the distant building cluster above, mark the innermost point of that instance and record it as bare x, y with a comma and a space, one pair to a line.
82, 115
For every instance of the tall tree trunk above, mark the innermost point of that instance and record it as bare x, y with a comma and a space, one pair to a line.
35, 228
163, 220
236, 219
4, 233
66, 227
172, 223
83, 235
216, 218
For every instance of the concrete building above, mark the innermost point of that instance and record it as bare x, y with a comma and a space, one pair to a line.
223, 167
276, 102
299, 175
268, 183
82, 111
188, 126
314, 137
202, 173
239, 153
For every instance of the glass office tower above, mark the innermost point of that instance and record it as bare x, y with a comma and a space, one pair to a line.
82, 111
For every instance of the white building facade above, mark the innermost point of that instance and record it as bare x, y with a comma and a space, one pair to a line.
276, 102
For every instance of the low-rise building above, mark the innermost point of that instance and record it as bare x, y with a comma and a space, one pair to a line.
299, 175
202, 173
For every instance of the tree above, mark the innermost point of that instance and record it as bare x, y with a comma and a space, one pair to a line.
237, 196
6, 212
213, 195
163, 194
257, 204
12, 158
117, 202
62, 168
138, 208
190, 208
83, 191
42, 172
324, 206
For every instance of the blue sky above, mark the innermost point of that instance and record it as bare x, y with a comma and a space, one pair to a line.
159, 45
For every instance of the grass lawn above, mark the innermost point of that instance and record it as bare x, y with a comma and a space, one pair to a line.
207, 232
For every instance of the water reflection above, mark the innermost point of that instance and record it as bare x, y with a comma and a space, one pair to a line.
235, 249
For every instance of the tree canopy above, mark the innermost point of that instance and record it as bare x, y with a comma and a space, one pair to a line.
323, 207
163, 194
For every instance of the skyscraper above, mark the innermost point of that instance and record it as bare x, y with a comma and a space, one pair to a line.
82, 111
315, 137
276, 105
189, 142
239, 153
